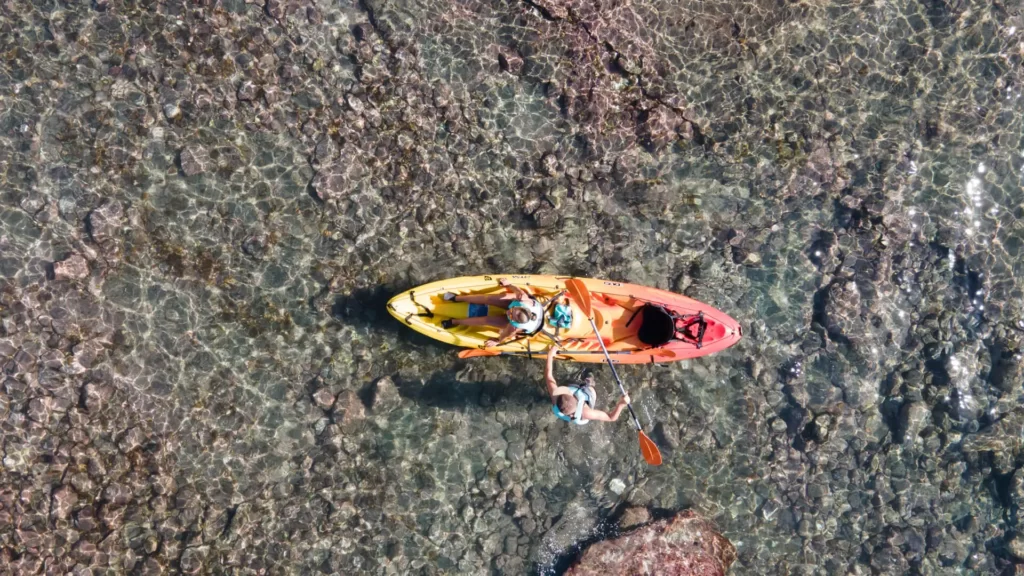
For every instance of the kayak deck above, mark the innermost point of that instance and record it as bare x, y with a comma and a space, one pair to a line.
620, 312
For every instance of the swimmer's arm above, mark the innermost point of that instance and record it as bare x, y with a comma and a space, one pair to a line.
549, 373
602, 416
506, 332
520, 294
502, 336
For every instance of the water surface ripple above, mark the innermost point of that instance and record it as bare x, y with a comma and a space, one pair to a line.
205, 205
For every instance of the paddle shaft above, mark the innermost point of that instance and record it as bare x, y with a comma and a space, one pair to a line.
614, 373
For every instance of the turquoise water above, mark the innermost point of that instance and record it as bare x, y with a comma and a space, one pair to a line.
236, 189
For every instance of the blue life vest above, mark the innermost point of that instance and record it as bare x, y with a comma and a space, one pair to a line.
583, 395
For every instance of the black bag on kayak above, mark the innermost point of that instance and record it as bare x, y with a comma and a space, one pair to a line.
658, 326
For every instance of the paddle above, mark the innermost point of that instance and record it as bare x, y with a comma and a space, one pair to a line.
579, 293
478, 353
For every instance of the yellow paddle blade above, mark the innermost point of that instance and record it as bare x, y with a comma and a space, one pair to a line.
477, 353
649, 449
662, 353
579, 293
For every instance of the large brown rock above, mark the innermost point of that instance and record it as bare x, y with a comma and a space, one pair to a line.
385, 396
684, 545
349, 406
74, 267
633, 517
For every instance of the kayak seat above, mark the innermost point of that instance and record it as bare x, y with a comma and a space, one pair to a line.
657, 325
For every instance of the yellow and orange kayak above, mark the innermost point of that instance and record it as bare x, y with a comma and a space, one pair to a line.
638, 324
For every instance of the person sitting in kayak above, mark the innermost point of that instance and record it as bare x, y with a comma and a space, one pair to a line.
576, 403
523, 314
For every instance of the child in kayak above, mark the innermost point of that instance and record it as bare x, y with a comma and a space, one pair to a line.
523, 314
576, 403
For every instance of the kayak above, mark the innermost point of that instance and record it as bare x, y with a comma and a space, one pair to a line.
638, 324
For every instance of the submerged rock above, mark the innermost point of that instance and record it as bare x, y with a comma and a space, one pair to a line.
554, 9
74, 267
105, 220
63, 500
247, 91
913, 418
842, 310
385, 396
1017, 488
194, 160
1016, 547
349, 407
633, 517
323, 398
617, 486
172, 110
577, 523
685, 545
658, 128
510, 61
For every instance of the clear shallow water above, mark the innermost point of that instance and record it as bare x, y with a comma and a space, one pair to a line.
250, 183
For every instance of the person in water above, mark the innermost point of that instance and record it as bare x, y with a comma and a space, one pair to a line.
575, 403
523, 314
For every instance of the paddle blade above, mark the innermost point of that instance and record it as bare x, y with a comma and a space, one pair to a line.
662, 353
478, 352
579, 293
649, 449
